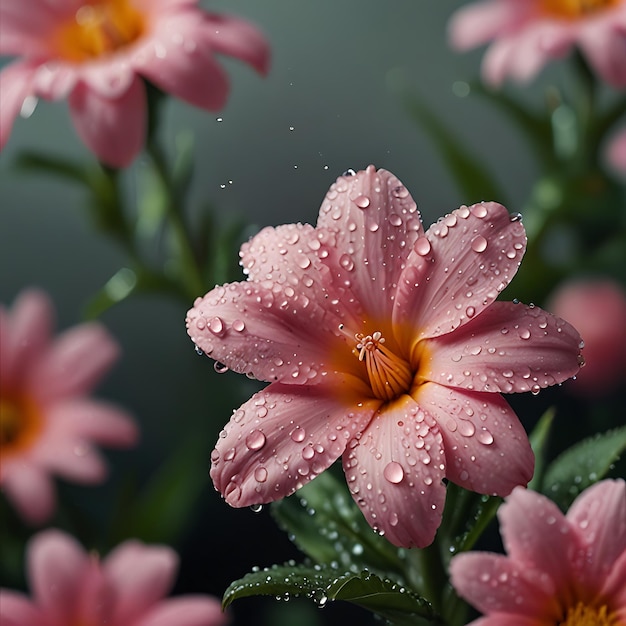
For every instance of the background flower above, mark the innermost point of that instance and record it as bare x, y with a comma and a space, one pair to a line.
127, 588
382, 343
527, 34
597, 308
48, 425
560, 569
616, 152
96, 55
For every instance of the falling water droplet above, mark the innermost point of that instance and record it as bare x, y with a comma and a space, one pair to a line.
220, 368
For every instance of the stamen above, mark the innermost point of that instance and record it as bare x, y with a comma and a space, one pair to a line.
584, 615
576, 8
389, 374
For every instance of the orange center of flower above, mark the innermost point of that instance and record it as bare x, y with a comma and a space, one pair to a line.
98, 29
20, 423
575, 8
389, 375
584, 615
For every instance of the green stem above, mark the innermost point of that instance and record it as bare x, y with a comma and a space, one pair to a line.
434, 578
190, 271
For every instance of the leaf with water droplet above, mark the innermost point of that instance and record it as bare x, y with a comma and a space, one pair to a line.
384, 597
336, 513
582, 465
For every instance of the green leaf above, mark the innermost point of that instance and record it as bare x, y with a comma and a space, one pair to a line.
386, 598
471, 177
323, 520
121, 285
539, 442
582, 465
65, 168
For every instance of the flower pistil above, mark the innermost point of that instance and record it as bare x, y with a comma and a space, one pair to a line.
99, 29
20, 422
585, 615
575, 8
389, 375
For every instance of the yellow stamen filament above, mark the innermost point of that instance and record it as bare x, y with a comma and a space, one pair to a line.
585, 615
20, 424
389, 375
98, 29
575, 8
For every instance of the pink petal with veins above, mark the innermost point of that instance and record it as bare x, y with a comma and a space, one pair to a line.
486, 447
507, 348
376, 221
494, 583
395, 471
114, 129
281, 439
74, 363
475, 252
141, 576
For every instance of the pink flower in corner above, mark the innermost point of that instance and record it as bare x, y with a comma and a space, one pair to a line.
96, 53
48, 425
560, 569
127, 588
616, 152
383, 345
527, 34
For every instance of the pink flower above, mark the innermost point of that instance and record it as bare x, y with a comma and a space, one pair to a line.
597, 307
382, 344
616, 152
47, 424
526, 34
127, 588
96, 53
560, 569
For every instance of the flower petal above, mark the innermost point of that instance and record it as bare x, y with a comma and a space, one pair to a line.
30, 490
493, 583
72, 459
473, 253
271, 331
478, 23
16, 83
605, 46
238, 38
188, 610
537, 536
376, 223
25, 335
141, 575
614, 586
282, 438
487, 449
179, 59
96, 422
57, 565
17, 610
599, 517
74, 363
395, 471
113, 128
507, 348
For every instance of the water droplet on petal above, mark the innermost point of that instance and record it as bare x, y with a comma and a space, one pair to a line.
422, 246
485, 437
255, 440
220, 368
216, 325
393, 472
479, 244
260, 474
239, 326
361, 201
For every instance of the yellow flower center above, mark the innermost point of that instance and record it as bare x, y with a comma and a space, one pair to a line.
584, 615
575, 8
20, 424
389, 375
98, 29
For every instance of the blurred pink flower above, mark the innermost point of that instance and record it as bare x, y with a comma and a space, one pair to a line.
97, 52
560, 569
616, 152
47, 424
127, 588
382, 343
526, 34
597, 308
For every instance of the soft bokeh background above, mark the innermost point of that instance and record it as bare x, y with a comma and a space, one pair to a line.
330, 103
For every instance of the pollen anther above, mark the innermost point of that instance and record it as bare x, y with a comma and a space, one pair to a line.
389, 374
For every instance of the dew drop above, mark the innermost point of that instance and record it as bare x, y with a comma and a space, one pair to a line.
216, 325
346, 262
479, 210
422, 246
256, 508
361, 201
260, 474
466, 428
393, 472
470, 311
220, 368
298, 434
239, 326
255, 440
479, 244
485, 437
199, 350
